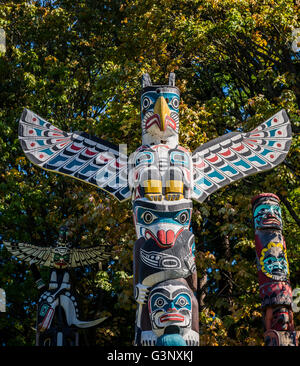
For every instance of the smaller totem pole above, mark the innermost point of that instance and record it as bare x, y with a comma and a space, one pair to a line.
57, 310
273, 271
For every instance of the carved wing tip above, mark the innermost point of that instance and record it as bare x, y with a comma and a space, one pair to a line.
285, 114
24, 114
288, 122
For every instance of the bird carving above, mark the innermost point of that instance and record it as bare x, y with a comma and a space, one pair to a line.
160, 176
211, 166
60, 256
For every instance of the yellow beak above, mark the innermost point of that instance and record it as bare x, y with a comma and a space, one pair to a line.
161, 108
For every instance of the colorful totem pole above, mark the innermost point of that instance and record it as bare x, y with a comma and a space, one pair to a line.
162, 178
273, 271
57, 310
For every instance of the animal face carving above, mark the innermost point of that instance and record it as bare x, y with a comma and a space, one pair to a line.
160, 114
164, 226
61, 257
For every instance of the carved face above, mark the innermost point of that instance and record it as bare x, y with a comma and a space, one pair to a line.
267, 215
61, 257
281, 319
170, 304
274, 262
160, 224
160, 115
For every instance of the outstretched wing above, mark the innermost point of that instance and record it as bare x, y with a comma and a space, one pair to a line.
236, 155
30, 253
87, 256
79, 155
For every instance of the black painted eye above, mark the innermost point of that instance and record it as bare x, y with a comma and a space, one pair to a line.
146, 103
148, 217
183, 217
182, 301
175, 103
160, 302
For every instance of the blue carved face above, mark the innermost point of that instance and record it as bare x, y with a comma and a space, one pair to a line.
170, 304
162, 226
160, 114
274, 262
266, 216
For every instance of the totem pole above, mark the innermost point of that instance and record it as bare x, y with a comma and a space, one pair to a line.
273, 271
57, 310
162, 178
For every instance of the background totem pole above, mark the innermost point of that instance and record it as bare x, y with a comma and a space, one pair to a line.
57, 310
273, 271
162, 178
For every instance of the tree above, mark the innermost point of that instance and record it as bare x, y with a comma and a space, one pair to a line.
79, 65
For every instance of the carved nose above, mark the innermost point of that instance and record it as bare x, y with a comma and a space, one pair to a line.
166, 237
162, 110
171, 309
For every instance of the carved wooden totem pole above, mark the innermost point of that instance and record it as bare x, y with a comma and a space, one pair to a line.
162, 178
57, 310
273, 271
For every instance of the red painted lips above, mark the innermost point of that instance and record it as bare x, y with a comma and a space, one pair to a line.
175, 317
271, 221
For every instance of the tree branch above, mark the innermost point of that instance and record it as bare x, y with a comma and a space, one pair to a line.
289, 208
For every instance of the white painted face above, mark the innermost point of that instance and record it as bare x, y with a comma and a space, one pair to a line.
170, 304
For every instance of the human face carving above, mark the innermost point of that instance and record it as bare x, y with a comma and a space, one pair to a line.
267, 215
170, 304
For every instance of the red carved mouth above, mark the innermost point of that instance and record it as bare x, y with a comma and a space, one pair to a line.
164, 239
172, 317
60, 264
271, 221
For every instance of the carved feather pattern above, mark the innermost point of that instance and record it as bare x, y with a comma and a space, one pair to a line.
44, 255
78, 155
236, 155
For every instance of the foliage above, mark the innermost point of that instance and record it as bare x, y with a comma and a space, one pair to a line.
79, 65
